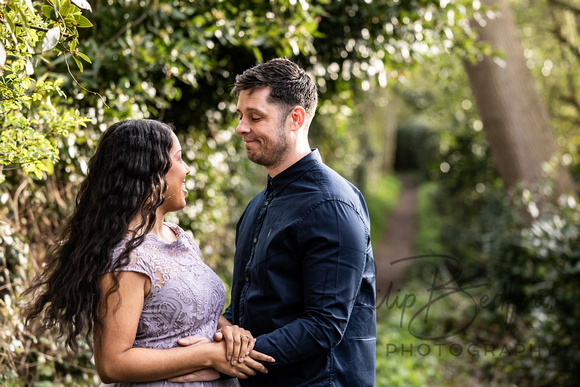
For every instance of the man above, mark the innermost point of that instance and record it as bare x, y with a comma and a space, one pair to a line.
304, 281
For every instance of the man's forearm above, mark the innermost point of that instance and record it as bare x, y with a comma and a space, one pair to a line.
223, 322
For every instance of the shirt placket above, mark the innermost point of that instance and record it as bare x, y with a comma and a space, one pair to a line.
259, 222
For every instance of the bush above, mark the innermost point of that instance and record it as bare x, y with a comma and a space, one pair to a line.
519, 258
541, 262
26, 359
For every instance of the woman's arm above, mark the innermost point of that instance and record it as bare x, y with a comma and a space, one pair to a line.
116, 359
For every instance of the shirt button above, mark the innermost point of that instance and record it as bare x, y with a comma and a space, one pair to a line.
255, 240
267, 202
247, 279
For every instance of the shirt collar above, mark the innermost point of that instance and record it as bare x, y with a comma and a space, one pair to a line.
280, 181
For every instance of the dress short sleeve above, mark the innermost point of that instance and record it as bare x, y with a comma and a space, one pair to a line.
139, 262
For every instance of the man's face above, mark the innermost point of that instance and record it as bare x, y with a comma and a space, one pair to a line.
263, 128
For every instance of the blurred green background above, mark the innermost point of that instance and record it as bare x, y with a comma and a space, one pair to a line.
485, 121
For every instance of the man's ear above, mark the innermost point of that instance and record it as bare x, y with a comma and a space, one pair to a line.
298, 117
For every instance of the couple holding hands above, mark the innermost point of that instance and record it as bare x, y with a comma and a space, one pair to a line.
302, 309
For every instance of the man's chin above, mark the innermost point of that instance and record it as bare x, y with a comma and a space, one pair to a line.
257, 159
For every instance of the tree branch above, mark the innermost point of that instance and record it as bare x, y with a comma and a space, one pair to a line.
38, 28
81, 86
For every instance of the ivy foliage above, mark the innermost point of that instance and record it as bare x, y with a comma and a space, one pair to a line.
30, 100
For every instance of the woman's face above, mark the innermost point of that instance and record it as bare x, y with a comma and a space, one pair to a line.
175, 178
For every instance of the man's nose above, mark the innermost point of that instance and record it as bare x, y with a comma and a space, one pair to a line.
242, 127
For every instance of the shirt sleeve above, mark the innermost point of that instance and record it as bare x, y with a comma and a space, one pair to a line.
228, 314
333, 240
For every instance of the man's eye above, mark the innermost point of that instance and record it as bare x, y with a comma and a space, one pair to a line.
256, 118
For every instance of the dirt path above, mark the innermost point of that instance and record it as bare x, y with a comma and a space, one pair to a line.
397, 241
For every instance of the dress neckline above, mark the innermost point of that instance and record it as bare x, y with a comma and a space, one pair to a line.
175, 231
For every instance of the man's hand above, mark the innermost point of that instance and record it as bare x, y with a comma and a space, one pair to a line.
242, 370
205, 375
239, 342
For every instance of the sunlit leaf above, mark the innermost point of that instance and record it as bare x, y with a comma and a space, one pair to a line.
51, 39
48, 11
84, 22
65, 8
10, 22
86, 58
79, 63
37, 172
70, 21
2, 55
29, 67
30, 6
83, 4
23, 18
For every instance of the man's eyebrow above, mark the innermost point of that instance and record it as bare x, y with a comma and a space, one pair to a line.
253, 110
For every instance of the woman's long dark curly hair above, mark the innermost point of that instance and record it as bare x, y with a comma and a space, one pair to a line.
126, 178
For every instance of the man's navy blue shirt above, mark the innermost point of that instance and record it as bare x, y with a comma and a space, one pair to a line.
304, 279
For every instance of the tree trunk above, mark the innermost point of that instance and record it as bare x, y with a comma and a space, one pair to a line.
514, 117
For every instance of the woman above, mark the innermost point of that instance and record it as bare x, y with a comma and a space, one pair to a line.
133, 281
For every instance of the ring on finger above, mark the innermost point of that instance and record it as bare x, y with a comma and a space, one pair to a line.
246, 336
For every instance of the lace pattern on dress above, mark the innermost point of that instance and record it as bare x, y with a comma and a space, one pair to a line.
186, 297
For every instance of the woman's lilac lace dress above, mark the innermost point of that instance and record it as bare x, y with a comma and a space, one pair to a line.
186, 297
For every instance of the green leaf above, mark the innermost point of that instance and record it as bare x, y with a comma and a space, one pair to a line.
84, 22
23, 17
51, 39
86, 58
10, 22
311, 26
258, 54
34, 169
66, 8
43, 165
70, 21
49, 12
79, 63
